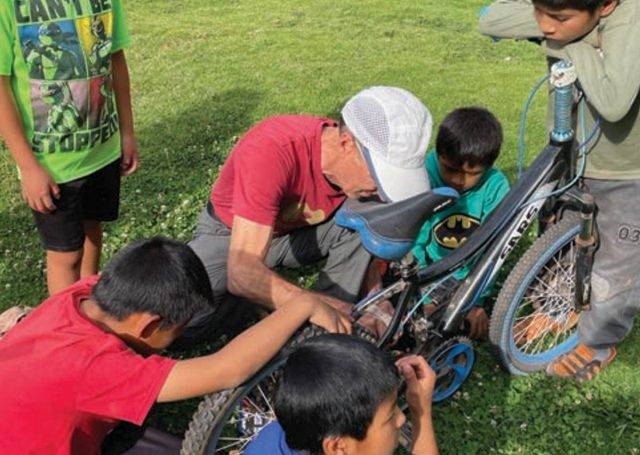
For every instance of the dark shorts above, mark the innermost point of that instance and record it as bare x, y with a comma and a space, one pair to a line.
95, 197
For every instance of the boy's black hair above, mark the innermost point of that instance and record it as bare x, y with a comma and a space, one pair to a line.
332, 386
471, 135
582, 5
159, 276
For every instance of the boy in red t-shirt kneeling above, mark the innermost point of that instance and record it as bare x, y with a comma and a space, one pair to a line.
84, 360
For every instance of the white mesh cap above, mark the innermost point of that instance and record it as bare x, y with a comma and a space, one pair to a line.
394, 128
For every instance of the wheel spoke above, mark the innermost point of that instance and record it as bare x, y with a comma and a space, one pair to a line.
266, 400
255, 406
545, 310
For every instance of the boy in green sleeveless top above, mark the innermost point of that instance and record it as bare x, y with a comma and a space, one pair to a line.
467, 145
602, 39
65, 115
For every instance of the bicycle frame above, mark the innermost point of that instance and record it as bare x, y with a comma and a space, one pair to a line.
491, 244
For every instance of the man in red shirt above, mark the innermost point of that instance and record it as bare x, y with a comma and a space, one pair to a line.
274, 201
84, 360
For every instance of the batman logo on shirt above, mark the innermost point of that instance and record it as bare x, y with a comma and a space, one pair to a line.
454, 230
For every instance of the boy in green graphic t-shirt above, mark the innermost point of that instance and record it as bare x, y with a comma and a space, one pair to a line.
467, 145
65, 115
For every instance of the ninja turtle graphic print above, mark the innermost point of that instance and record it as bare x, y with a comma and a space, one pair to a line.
449, 229
58, 55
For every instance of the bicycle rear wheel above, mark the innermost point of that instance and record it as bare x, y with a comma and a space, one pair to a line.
225, 422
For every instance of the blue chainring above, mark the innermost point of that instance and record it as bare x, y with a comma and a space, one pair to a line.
452, 363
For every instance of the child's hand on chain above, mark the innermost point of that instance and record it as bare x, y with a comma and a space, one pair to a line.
421, 380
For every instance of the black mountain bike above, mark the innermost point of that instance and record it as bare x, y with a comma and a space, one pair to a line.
534, 318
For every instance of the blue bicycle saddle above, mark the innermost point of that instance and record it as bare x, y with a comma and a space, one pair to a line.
388, 231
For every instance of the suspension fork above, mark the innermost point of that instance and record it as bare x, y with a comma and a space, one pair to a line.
586, 243
563, 78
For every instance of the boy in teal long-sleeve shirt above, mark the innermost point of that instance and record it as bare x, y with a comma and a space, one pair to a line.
467, 145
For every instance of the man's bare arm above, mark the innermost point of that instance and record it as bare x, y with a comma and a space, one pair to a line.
37, 185
611, 78
249, 277
239, 359
247, 274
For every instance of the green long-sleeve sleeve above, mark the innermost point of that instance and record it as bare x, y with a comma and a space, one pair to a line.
607, 61
510, 19
611, 78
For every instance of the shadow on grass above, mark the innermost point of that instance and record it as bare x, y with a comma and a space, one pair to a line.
182, 148
21, 259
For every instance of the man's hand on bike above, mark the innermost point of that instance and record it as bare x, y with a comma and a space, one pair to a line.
478, 323
38, 189
331, 314
421, 380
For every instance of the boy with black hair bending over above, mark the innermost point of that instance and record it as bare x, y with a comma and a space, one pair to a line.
468, 143
338, 396
602, 39
84, 360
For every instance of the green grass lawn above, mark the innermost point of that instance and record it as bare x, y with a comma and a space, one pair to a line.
203, 71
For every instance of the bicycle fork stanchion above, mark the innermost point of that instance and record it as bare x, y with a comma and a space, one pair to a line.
586, 244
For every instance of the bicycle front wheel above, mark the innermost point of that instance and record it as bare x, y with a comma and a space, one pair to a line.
533, 320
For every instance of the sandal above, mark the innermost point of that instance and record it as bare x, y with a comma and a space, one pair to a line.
580, 364
11, 317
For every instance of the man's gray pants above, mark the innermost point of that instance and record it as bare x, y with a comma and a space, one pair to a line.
615, 293
341, 277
